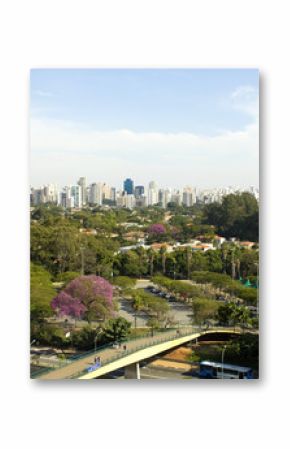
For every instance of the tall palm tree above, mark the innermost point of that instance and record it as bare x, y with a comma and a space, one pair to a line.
224, 257
233, 264
141, 254
151, 255
163, 252
188, 260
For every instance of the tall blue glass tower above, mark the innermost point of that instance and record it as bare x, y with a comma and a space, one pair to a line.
129, 186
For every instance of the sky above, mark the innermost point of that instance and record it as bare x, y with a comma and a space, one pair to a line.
197, 127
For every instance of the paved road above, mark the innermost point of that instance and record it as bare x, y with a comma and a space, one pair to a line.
126, 311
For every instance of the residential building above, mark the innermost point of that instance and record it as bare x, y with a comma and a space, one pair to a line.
95, 194
139, 191
76, 193
82, 182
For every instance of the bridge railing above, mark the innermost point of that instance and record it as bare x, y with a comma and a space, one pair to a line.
181, 332
55, 364
127, 352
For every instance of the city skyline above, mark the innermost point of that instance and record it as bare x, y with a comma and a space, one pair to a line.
137, 183
197, 127
131, 195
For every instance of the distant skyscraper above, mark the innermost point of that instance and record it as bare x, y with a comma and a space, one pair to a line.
82, 182
96, 194
66, 198
164, 196
129, 201
153, 185
113, 194
176, 197
76, 193
106, 191
152, 193
37, 196
129, 186
188, 197
139, 191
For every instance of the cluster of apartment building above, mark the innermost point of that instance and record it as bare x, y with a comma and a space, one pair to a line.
97, 194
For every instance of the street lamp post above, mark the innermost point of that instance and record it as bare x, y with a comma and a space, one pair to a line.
223, 353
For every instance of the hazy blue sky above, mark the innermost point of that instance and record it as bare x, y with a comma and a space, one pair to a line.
177, 126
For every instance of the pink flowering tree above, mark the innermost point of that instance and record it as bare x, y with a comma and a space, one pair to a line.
157, 232
64, 305
157, 228
89, 297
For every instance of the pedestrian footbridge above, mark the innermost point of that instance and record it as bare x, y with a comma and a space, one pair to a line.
128, 357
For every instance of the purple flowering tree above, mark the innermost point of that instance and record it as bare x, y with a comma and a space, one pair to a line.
64, 305
89, 297
157, 228
156, 232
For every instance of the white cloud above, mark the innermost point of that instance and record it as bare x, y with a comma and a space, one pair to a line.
62, 151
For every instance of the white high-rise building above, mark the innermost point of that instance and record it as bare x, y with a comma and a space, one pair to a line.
130, 201
76, 193
66, 198
106, 192
82, 182
125, 200
176, 197
96, 194
188, 196
164, 197
152, 193
50, 193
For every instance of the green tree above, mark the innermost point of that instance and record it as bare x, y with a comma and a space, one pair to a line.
116, 329
203, 309
41, 294
154, 324
236, 216
151, 257
163, 254
233, 314
214, 261
84, 339
124, 282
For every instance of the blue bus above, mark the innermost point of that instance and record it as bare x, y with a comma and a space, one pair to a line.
215, 370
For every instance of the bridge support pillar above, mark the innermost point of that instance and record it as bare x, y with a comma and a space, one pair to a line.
132, 371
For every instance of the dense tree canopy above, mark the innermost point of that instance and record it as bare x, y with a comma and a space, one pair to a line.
236, 216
